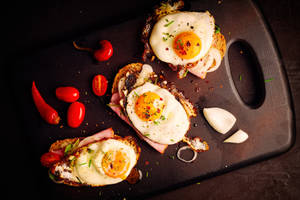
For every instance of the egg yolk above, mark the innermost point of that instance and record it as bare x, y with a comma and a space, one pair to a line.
115, 164
149, 106
187, 45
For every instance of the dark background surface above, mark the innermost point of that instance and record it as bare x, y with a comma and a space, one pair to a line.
28, 27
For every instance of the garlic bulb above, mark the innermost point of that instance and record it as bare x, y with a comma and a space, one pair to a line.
238, 137
221, 120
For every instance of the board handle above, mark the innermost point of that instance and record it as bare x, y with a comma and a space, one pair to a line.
245, 73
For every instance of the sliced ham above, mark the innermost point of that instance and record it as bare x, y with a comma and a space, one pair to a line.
107, 133
157, 146
115, 106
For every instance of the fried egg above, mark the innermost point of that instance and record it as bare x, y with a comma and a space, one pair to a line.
105, 162
183, 37
157, 114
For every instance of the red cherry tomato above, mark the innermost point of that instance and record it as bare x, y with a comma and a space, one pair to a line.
99, 85
105, 52
67, 94
75, 114
50, 158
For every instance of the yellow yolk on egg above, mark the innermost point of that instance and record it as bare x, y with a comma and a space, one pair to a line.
115, 164
149, 106
187, 45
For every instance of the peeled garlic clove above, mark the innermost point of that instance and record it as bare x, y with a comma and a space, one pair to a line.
221, 120
238, 137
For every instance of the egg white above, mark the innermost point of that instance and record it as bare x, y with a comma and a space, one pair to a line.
202, 23
169, 129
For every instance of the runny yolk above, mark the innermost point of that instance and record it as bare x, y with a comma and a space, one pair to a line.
187, 45
115, 164
149, 106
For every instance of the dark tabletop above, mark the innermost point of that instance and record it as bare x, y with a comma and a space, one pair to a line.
28, 27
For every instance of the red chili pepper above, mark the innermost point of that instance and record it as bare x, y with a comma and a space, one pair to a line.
102, 54
48, 113
105, 52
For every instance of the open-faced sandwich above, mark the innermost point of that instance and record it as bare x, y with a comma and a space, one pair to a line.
101, 159
187, 41
159, 113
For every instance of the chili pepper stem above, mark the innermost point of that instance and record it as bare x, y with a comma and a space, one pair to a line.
56, 120
82, 48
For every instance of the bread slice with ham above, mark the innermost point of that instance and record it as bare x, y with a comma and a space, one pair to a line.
133, 76
61, 147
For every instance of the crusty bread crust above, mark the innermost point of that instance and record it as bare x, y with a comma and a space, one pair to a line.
60, 144
219, 43
131, 68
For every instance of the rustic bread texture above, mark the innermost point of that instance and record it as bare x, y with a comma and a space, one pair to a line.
219, 43
131, 68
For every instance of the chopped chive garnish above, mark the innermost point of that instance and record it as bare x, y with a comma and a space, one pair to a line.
136, 94
82, 164
79, 179
268, 80
73, 161
68, 148
52, 176
185, 73
240, 77
168, 35
146, 134
155, 81
90, 162
217, 29
147, 174
168, 24
156, 122
75, 144
162, 117
180, 42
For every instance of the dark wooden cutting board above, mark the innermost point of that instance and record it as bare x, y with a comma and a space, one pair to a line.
250, 83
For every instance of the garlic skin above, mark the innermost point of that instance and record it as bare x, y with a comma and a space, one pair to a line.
219, 119
238, 137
